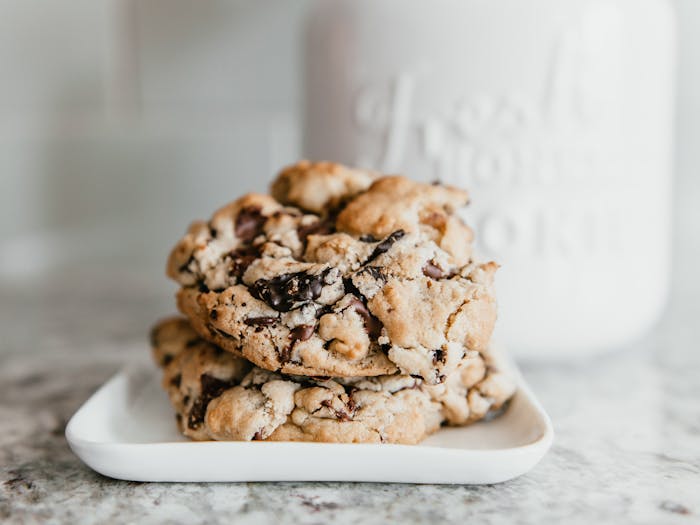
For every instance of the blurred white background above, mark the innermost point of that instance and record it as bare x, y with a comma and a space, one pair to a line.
122, 120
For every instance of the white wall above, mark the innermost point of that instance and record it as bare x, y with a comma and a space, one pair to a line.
139, 116
124, 119
688, 147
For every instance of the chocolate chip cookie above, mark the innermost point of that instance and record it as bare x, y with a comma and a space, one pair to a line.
218, 395
339, 273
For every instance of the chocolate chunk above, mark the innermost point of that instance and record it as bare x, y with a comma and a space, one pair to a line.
212, 387
167, 359
375, 272
368, 238
438, 356
249, 223
298, 333
288, 291
260, 321
385, 245
341, 414
242, 258
286, 353
372, 324
432, 271
301, 333
319, 227
214, 315
350, 287
258, 436
203, 288
186, 267
351, 404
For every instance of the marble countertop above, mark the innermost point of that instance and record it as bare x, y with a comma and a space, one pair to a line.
627, 446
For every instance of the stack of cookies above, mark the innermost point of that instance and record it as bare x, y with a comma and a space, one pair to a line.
343, 307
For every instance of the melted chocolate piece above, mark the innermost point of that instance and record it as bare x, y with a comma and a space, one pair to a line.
301, 333
288, 291
203, 288
186, 267
214, 315
319, 227
211, 387
350, 287
341, 414
368, 238
432, 271
249, 223
376, 273
242, 258
260, 321
385, 245
286, 353
372, 324
438, 356
298, 333
257, 436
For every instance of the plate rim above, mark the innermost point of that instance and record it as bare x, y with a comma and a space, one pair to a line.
86, 448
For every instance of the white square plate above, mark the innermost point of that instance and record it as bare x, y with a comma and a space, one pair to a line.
126, 430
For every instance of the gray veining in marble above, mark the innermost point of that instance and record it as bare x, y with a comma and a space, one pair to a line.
627, 448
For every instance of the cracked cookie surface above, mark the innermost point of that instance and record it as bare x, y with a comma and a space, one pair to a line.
339, 273
219, 396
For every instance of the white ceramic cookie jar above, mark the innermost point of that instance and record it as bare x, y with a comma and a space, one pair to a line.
556, 114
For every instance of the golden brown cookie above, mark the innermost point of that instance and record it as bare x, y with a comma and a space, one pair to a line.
219, 396
339, 274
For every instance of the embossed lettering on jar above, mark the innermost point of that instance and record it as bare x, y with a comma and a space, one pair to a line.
556, 115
